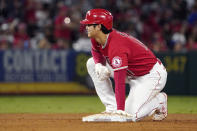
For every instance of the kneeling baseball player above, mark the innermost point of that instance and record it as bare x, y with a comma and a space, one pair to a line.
127, 60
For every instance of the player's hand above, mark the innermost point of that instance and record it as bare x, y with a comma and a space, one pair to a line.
102, 72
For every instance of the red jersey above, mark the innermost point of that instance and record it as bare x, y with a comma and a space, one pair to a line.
124, 52
127, 56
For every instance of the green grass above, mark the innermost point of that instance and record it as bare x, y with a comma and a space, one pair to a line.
182, 104
50, 104
79, 104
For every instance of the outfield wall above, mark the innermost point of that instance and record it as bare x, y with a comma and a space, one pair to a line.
51, 71
182, 70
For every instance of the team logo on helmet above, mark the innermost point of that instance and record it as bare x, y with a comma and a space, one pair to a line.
116, 61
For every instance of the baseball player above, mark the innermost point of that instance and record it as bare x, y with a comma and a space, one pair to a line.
127, 60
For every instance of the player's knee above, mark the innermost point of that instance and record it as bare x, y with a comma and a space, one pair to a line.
165, 76
90, 63
131, 108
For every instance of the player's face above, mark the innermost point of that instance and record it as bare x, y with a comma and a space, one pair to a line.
91, 30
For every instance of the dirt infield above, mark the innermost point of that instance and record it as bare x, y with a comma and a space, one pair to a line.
72, 122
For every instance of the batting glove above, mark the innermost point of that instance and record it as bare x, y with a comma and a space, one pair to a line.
102, 72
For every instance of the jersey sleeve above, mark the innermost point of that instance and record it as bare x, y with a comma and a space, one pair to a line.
119, 64
119, 61
119, 77
97, 56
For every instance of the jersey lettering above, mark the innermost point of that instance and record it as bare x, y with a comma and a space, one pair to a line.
132, 38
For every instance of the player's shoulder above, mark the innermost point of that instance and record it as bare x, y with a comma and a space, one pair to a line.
119, 33
118, 44
119, 38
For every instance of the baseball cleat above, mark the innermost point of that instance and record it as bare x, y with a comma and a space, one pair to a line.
108, 117
161, 113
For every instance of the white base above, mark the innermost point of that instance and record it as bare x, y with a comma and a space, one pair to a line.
107, 118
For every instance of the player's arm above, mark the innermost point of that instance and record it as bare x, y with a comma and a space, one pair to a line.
101, 71
119, 78
120, 64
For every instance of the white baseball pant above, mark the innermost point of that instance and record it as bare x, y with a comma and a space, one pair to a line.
144, 96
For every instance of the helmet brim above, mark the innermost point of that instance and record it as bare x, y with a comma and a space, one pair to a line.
85, 22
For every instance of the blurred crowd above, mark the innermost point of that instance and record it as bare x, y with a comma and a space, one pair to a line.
163, 25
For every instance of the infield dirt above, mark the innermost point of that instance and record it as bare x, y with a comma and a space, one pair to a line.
72, 122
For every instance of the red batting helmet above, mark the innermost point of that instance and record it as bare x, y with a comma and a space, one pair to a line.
99, 16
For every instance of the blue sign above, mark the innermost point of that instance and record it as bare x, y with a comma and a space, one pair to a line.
34, 66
